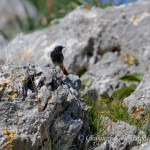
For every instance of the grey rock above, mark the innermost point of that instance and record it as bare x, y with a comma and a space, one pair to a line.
40, 106
3, 43
140, 98
103, 75
144, 146
86, 33
122, 136
88, 36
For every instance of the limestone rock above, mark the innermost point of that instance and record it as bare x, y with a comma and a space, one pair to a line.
90, 37
3, 43
140, 98
144, 146
122, 136
39, 107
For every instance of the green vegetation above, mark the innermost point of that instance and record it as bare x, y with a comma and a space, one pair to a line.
136, 62
132, 77
81, 71
52, 9
113, 108
84, 82
49, 10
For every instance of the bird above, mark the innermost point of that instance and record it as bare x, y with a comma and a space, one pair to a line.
57, 58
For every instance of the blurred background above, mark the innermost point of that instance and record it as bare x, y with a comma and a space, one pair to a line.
30, 15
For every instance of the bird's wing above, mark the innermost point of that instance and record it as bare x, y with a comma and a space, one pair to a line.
62, 57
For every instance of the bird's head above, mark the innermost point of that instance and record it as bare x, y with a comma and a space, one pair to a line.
59, 48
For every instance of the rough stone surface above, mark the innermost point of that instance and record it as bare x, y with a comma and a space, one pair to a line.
103, 75
140, 98
122, 136
38, 100
144, 146
40, 106
90, 37
3, 42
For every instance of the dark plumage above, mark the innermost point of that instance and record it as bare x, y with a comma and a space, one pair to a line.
57, 55
57, 58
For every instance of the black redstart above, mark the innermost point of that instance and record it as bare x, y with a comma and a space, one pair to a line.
57, 58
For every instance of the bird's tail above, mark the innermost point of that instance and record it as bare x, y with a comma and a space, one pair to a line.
62, 67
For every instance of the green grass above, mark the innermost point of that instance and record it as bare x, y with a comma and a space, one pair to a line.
84, 82
132, 77
114, 111
112, 107
81, 71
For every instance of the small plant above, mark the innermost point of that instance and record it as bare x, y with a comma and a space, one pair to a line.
132, 77
81, 71
136, 62
112, 107
84, 82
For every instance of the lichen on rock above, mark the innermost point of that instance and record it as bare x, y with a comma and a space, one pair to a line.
39, 105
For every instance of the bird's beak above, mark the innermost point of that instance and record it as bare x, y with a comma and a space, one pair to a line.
63, 48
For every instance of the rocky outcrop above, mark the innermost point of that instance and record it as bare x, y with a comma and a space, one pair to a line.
3, 42
104, 74
39, 107
122, 136
91, 38
144, 146
139, 100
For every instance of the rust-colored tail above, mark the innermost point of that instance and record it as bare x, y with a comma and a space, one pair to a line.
62, 67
